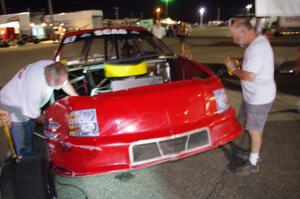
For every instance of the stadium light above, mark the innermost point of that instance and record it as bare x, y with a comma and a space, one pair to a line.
201, 12
157, 11
248, 7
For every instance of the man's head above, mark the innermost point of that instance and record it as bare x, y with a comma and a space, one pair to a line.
157, 22
242, 32
56, 75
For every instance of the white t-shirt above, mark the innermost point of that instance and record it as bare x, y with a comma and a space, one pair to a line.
27, 92
158, 31
259, 59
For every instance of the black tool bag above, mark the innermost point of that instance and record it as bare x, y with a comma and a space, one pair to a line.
27, 178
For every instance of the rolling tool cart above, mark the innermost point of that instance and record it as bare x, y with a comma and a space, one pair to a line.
27, 177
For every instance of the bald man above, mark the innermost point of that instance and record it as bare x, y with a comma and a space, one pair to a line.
24, 95
258, 88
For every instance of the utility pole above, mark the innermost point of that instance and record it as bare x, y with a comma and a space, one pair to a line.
219, 13
3, 7
116, 13
142, 15
50, 7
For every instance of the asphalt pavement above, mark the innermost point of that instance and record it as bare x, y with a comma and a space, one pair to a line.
206, 175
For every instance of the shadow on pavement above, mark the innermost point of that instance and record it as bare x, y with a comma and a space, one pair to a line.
284, 111
231, 149
288, 83
231, 84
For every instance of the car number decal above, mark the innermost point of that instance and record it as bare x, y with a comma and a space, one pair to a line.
110, 32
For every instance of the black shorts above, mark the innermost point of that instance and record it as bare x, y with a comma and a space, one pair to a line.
182, 39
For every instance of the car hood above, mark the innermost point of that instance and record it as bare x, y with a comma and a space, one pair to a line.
152, 110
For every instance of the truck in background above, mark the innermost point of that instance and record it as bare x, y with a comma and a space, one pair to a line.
286, 26
79, 20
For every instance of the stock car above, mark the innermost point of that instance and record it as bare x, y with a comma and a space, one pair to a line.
139, 104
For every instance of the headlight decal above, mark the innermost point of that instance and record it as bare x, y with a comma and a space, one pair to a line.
221, 100
83, 123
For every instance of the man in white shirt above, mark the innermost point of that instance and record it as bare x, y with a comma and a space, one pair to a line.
25, 94
158, 31
258, 87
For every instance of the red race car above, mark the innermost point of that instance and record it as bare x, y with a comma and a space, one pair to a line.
140, 105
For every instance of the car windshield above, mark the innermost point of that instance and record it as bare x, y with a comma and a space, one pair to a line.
100, 46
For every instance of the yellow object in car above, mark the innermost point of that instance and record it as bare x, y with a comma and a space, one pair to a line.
125, 69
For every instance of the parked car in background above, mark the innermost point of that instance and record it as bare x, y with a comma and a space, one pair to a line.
216, 23
3, 43
290, 67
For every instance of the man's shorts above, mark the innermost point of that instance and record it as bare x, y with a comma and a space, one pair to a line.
255, 116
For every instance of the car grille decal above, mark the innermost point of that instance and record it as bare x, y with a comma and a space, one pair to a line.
155, 149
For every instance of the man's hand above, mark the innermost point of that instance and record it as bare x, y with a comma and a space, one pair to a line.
69, 89
4, 118
231, 64
40, 120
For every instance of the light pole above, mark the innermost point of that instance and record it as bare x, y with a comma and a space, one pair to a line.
167, 7
201, 12
157, 11
3, 7
50, 7
116, 13
248, 7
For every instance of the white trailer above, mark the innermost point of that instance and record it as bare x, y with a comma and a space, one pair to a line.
87, 19
287, 13
282, 8
23, 19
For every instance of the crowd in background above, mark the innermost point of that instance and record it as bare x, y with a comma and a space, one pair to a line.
181, 31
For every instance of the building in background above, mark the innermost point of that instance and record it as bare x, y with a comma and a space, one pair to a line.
22, 26
87, 19
20, 22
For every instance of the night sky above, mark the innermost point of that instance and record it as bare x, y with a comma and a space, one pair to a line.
178, 9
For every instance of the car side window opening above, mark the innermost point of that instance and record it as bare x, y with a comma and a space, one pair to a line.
123, 47
111, 45
72, 53
96, 52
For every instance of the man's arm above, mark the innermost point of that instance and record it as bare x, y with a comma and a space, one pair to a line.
243, 75
164, 32
235, 69
69, 89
